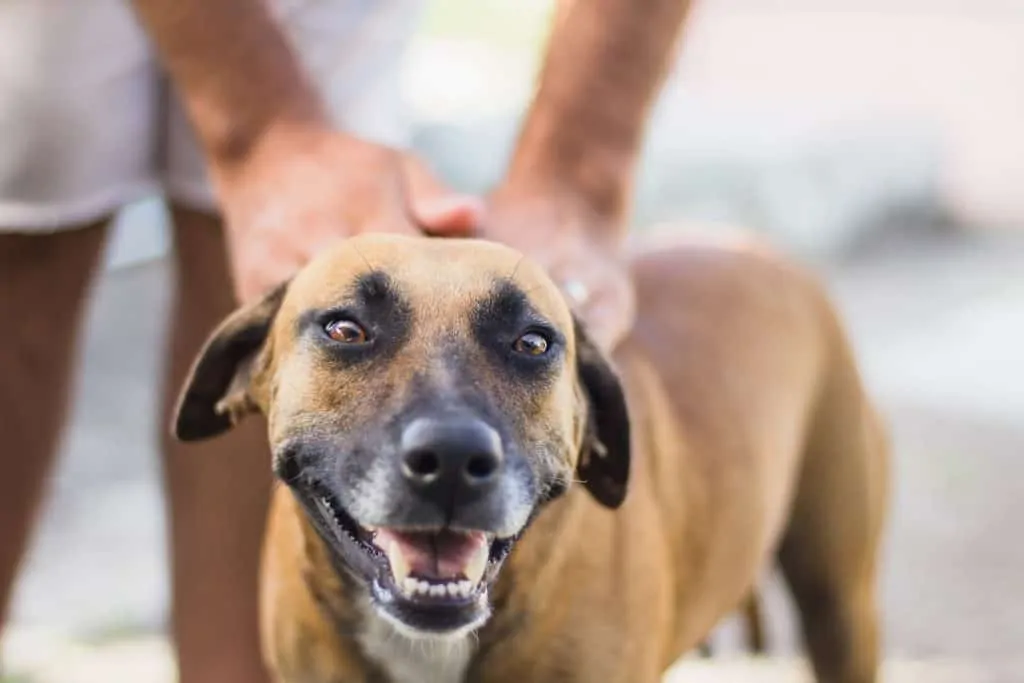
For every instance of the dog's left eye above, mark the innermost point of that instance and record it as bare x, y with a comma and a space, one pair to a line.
346, 332
531, 344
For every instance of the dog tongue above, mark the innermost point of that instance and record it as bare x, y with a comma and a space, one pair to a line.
443, 555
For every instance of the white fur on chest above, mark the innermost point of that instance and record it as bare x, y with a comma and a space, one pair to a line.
416, 659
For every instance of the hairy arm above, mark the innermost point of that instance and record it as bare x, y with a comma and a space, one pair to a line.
566, 195
605, 64
233, 68
288, 182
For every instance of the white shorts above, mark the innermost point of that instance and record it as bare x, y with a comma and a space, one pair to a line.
88, 124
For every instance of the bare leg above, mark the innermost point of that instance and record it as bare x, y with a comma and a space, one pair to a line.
218, 490
44, 282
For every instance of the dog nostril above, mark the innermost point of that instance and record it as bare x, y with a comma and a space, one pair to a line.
438, 456
422, 465
481, 467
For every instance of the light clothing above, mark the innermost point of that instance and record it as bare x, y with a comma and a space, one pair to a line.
88, 124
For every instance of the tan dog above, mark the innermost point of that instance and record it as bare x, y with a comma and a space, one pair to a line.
454, 455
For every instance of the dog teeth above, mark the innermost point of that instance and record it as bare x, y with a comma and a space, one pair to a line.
413, 587
399, 565
474, 570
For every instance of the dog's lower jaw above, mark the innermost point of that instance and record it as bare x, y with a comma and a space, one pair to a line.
410, 656
429, 622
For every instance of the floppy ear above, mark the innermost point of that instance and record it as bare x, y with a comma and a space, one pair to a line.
603, 464
216, 394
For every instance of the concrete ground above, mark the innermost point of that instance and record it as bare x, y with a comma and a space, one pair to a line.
938, 323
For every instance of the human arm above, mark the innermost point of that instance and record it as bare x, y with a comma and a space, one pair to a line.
566, 195
288, 181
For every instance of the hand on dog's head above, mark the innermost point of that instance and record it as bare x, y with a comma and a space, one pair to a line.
418, 386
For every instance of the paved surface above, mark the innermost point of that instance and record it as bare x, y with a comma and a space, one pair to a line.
939, 326
148, 659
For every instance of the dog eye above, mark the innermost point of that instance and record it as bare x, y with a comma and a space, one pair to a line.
345, 332
531, 344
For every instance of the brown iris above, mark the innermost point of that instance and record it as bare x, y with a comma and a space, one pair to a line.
346, 332
531, 344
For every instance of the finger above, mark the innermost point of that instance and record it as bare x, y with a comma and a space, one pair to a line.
437, 208
456, 216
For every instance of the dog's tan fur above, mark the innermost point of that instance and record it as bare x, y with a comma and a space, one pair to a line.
752, 439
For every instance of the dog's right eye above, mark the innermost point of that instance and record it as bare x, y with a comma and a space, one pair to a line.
531, 344
346, 332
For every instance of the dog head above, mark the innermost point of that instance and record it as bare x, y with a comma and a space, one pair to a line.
425, 398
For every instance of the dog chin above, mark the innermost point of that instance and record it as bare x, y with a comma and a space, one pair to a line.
453, 636
430, 624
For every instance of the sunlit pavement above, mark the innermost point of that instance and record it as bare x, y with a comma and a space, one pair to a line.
36, 659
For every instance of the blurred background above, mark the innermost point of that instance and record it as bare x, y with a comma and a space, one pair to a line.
880, 141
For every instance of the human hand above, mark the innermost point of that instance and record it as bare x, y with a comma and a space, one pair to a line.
300, 191
579, 248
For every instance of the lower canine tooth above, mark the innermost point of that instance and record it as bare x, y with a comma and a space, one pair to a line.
409, 586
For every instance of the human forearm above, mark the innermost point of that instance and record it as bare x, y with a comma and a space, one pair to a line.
235, 71
606, 61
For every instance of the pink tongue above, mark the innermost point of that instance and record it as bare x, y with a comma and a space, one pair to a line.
434, 555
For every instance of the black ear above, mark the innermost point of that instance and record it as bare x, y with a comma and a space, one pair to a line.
216, 393
603, 465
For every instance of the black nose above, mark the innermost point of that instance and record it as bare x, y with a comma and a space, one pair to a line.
442, 457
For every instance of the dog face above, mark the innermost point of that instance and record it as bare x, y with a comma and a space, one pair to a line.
424, 399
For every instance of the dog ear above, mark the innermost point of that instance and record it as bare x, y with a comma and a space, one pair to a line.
603, 464
216, 394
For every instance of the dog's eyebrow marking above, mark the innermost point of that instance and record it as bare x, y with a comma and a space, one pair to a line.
496, 322
505, 306
375, 301
375, 287
372, 292
507, 309
376, 293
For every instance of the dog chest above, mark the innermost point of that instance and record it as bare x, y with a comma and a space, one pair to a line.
415, 660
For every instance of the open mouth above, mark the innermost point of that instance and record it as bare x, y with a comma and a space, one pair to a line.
427, 579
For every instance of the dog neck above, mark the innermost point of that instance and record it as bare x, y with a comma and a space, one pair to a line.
384, 650
405, 658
